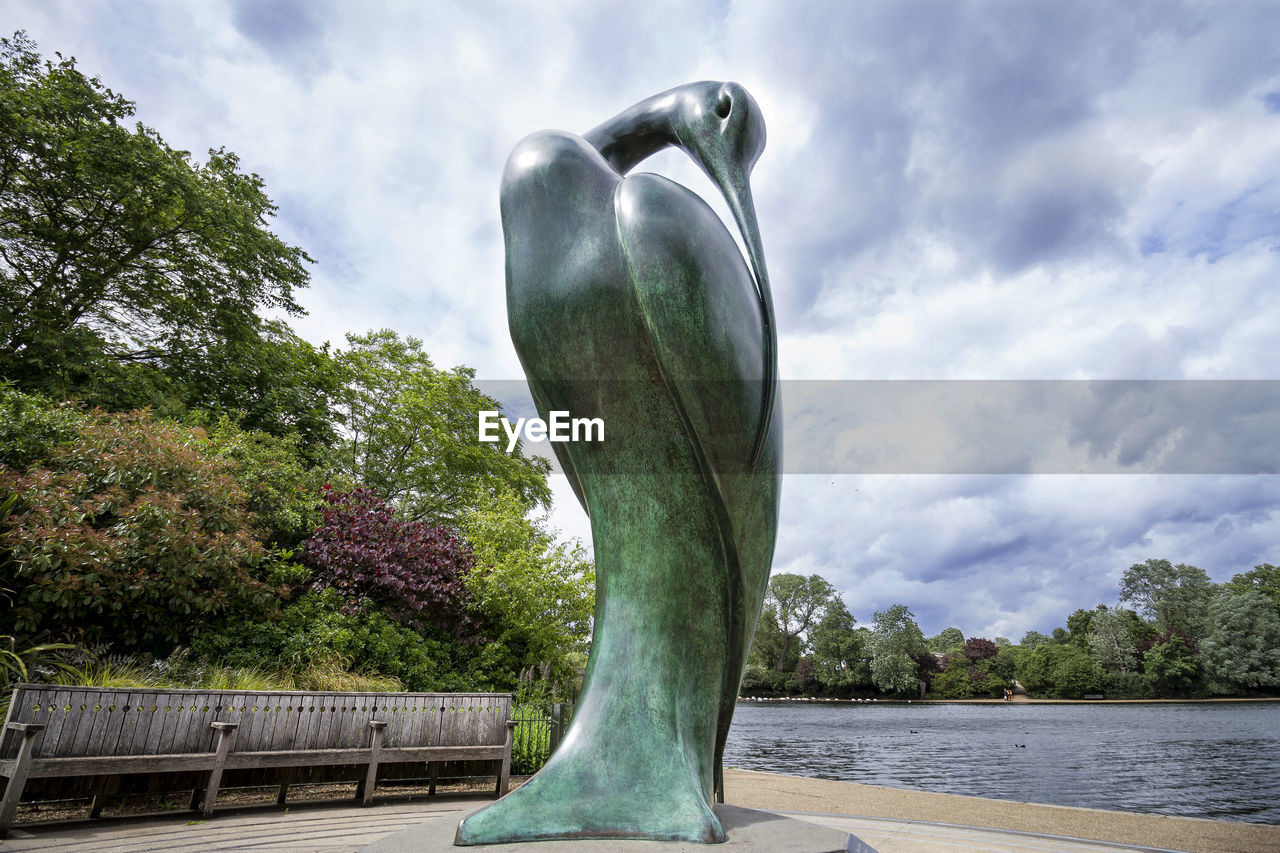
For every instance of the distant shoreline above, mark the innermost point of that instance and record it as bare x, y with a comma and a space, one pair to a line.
1021, 700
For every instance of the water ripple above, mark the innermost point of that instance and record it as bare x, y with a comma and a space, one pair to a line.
1219, 761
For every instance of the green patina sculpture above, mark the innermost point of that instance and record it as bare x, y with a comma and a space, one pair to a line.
629, 300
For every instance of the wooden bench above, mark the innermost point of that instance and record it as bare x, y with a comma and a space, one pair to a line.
104, 733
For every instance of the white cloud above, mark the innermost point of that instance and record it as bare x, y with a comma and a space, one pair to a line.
951, 190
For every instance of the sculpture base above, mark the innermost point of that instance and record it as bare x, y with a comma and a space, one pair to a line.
749, 830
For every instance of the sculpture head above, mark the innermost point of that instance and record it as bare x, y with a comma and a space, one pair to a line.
720, 127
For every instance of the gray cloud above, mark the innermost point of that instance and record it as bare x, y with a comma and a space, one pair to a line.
290, 32
952, 190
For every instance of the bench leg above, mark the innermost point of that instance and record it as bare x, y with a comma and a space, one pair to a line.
103, 789
286, 776
18, 781
435, 774
365, 791
225, 733
196, 794
504, 771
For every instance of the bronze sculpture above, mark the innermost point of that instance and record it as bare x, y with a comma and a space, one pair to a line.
628, 300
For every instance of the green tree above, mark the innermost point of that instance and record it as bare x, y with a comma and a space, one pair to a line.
840, 653
763, 680
1078, 627
955, 681
1110, 638
948, 640
281, 488
128, 271
767, 642
535, 595
267, 380
1031, 639
1264, 578
1242, 648
1059, 670
896, 641
1174, 597
1005, 664
793, 603
411, 434
1172, 667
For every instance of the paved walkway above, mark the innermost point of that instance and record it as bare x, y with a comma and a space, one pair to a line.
886, 820
324, 828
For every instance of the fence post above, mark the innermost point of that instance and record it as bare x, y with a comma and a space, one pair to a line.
557, 725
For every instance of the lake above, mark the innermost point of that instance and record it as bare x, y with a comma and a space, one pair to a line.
1210, 760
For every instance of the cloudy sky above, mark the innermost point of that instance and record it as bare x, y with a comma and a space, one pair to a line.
951, 191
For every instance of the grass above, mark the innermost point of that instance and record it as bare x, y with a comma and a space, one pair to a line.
111, 672
329, 674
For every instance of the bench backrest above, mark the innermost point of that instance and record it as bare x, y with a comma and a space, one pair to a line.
89, 721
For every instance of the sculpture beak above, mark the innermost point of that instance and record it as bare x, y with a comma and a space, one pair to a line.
732, 179
741, 204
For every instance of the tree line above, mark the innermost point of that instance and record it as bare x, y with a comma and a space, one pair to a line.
187, 485
1175, 634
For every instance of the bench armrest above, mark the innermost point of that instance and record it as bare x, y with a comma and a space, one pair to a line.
25, 727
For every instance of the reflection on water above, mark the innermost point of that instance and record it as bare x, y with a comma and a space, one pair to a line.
1218, 760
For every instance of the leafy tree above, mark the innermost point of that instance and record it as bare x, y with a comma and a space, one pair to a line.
1031, 639
1264, 578
536, 596
269, 380
1059, 670
1110, 638
763, 680
1005, 664
806, 680
979, 648
792, 603
840, 651
1078, 627
125, 267
411, 433
282, 491
947, 641
896, 640
766, 643
406, 570
1171, 666
1174, 597
127, 533
955, 681
1242, 649
31, 425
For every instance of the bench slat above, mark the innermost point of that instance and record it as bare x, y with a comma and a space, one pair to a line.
58, 721
107, 724
419, 723
292, 719
159, 710
116, 764
255, 721
93, 723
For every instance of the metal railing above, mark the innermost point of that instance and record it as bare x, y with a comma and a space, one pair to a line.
537, 735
